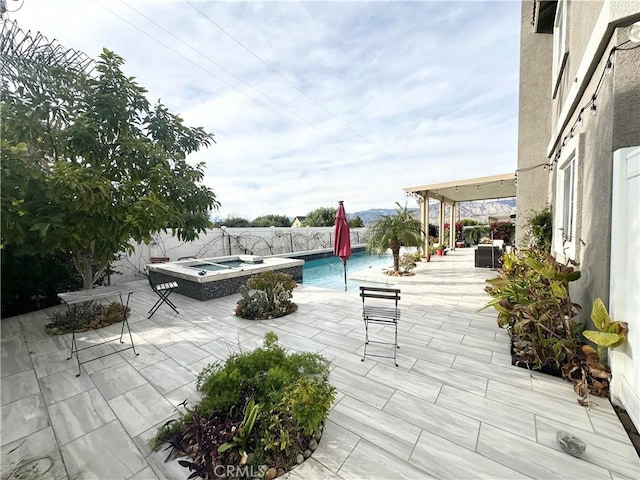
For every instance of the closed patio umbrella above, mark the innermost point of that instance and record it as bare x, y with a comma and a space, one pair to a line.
342, 239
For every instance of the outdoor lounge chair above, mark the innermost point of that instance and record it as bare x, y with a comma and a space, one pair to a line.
376, 310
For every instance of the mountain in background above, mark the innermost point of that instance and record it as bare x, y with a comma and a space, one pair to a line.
479, 210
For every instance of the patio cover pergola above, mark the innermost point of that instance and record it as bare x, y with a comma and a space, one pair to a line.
452, 193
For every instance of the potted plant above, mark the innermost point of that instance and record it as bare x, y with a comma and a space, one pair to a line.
431, 250
440, 249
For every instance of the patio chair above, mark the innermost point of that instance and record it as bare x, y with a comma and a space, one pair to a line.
376, 310
159, 259
163, 290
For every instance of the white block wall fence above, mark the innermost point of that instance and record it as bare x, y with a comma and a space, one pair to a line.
218, 242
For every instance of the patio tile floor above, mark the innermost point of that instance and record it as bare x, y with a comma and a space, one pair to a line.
454, 408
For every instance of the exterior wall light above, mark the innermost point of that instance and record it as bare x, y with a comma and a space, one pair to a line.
634, 32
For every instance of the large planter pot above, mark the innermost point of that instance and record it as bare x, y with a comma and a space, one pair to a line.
459, 244
440, 252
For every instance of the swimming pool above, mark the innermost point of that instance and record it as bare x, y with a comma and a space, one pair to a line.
208, 278
328, 272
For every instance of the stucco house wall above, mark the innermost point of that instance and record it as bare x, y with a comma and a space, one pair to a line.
553, 143
593, 28
534, 123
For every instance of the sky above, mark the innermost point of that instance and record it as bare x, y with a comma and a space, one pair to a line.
315, 102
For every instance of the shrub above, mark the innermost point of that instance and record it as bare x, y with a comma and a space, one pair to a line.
503, 231
407, 262
466, 222
307, 401
260, 406
267, 295
539, 229
531, 296
32, 282
458, 227
472, 234
89, 317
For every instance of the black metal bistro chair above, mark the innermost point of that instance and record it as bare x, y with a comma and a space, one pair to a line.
376, 309
163, 290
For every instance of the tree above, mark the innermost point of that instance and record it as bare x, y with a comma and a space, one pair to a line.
320, 217
394, 231
271, 220
89, 166
232, 221
467, 222
356, 222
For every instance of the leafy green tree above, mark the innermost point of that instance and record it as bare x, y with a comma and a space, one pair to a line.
320, 217
90, 167
271, 220
356, 222
232, 221
466, 222
32, 282
394, 231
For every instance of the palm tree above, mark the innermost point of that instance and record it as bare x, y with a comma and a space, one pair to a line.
393, 231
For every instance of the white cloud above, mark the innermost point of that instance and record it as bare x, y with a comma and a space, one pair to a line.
404, 93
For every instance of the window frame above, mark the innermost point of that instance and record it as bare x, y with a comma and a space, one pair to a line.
560, 48
566, 202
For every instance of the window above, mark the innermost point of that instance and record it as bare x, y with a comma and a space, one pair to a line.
568, 199
565, 215
560, 52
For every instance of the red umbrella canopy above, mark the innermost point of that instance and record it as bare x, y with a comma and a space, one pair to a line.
341, 238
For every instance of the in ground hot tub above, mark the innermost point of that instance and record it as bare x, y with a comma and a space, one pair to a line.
208, 278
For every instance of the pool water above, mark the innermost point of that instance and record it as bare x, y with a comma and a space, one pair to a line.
214, 267
328, 272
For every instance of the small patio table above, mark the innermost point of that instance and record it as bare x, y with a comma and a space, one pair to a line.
98, 293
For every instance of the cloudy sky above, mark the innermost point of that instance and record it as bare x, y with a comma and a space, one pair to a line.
315, 102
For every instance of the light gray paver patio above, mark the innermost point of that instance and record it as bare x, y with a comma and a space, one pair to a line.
454, 408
